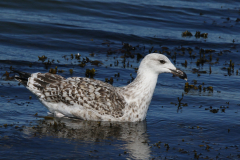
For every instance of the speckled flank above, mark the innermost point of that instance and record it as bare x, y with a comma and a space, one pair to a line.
88, 93
91, 99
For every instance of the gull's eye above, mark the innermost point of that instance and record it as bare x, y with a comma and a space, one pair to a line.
162, 61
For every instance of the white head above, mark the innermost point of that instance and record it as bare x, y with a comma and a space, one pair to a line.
159, 63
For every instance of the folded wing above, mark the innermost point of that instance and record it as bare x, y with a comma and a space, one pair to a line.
87, 93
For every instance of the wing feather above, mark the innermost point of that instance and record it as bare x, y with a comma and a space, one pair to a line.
88, 93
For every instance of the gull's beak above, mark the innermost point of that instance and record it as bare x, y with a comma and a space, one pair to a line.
179, 73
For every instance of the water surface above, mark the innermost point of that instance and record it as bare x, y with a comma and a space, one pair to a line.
204, 126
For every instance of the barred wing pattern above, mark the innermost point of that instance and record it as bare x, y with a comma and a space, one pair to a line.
87, 93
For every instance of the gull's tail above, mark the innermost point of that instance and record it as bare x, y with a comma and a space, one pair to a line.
23, 77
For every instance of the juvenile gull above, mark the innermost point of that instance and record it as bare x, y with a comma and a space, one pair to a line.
91, 99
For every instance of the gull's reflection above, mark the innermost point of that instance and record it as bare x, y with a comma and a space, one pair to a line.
133, 134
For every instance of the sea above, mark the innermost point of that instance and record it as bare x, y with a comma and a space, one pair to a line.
106, 40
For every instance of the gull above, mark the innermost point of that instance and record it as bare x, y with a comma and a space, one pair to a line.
94, 100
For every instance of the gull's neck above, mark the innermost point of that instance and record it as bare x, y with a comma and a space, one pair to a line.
145, 81
138, 94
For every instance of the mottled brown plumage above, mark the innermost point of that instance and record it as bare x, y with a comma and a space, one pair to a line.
89, 93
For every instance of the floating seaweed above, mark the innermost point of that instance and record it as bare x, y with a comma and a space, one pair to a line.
53, 71
60, 71
71, 71
198, 34
185, 63
111, 80
77, 56
210, 88
92, 54
47, 64
214, 110
96, 63
82, 64
165, 48
194, 70
186, 33
43, 58
127, 46
90, 73
7, 75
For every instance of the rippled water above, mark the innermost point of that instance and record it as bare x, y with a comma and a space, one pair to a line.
205, 125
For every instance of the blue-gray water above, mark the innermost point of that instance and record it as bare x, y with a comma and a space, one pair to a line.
206, 124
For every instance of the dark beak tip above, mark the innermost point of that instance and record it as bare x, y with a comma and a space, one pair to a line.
183, 76
180, 74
